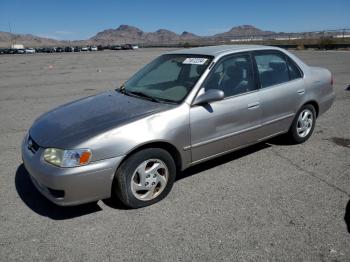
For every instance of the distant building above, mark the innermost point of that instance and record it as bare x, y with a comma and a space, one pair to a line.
287, 38
249, 39
17, 46
341, 36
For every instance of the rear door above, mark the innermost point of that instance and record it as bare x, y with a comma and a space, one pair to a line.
282, 91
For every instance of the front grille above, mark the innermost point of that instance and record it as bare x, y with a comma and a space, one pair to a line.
32, 145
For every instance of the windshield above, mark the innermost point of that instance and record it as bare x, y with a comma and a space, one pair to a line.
168, 78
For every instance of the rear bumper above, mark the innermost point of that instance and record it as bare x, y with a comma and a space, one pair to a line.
326, 103
70, 186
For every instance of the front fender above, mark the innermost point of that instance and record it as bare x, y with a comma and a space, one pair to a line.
171, 126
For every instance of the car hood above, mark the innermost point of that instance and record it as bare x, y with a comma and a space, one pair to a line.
75, 122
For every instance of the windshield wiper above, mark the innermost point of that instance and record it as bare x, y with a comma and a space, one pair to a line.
120, 89
167, 101
140, 94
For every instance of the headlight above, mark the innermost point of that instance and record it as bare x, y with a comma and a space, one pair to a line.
67, 158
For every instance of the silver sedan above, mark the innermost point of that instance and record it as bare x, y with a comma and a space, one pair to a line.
183, 108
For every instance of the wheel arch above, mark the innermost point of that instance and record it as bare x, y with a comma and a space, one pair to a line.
314, 104
171, 149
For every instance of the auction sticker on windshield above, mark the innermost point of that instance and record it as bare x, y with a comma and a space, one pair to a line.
195, 61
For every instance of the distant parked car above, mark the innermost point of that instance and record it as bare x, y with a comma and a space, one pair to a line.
115, 47
77, 49
184, 108
29, 50
84, 48
93, 48
12, 51
59, 50
69, 49
20, 51
126, 47
39, 50
134, 47
49, 50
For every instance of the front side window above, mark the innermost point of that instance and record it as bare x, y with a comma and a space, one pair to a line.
233, 75
272, 69
168, 78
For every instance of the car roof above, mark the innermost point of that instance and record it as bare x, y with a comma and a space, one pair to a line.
220, 50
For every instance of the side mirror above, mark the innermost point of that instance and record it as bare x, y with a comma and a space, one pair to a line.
209, 96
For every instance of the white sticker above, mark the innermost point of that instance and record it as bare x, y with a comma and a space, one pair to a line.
195, 61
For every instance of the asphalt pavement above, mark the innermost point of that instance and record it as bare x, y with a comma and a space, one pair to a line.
268, 202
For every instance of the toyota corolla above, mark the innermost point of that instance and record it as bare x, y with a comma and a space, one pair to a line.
183, 108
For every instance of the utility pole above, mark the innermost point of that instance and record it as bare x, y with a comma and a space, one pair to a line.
11, 36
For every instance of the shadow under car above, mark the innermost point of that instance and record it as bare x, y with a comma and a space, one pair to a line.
42, 206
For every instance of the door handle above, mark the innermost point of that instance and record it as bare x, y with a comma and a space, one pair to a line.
301, 91
254, 105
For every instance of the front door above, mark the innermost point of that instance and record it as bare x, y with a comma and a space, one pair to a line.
228, 124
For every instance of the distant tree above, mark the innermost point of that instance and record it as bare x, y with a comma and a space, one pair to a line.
326, 43
300, 46
186, 45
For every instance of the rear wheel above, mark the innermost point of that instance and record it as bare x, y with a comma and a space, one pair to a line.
145, 178
303, 124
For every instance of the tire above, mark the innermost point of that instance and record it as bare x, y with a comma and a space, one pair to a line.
145, 178
296, 134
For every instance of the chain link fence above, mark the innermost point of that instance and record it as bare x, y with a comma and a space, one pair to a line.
330, 34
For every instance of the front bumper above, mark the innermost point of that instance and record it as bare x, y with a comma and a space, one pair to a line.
75, 185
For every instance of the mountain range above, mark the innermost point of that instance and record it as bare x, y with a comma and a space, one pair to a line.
130, 34
6, 39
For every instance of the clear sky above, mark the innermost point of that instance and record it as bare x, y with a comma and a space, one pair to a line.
81, 19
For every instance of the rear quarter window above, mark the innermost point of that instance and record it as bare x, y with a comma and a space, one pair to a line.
294, 71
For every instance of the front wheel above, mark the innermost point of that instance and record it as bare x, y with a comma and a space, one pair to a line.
303, 124
145, 178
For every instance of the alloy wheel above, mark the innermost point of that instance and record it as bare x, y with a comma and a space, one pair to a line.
305, 122
149, 179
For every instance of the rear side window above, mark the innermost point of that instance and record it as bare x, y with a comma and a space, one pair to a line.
272, 69
294, 71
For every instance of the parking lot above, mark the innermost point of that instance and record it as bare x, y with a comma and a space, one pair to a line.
270, 202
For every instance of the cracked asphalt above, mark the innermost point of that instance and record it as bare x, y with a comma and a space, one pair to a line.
271, 201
